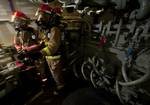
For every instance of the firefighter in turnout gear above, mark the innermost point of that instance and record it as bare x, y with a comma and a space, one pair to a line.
48, 21
26, 38
27, 41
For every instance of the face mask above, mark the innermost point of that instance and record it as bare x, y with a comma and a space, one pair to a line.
20, 24
47, 20
43, 20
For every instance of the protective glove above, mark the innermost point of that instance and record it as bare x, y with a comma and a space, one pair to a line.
45, 51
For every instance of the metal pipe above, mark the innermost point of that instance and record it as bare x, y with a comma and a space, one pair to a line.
138, 81
123, 70
12, 7
118, 33
118, 92
144, 10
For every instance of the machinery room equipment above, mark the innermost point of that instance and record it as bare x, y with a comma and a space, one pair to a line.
74, 52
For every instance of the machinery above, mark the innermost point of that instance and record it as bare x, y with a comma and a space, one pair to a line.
105, 43
112, 55
8, 72
17, 79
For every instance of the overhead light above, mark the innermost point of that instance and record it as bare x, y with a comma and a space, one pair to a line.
80, 11
85, 8
70, 1
62, 1
89, 13
99, 11
67, 6
77, 1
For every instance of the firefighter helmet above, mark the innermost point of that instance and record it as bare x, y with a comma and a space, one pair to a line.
20, 20
19, 15
47, 16
44, 7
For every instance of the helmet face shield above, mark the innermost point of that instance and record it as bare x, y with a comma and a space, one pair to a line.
20, 23
43, 19
42, 15
39, 18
